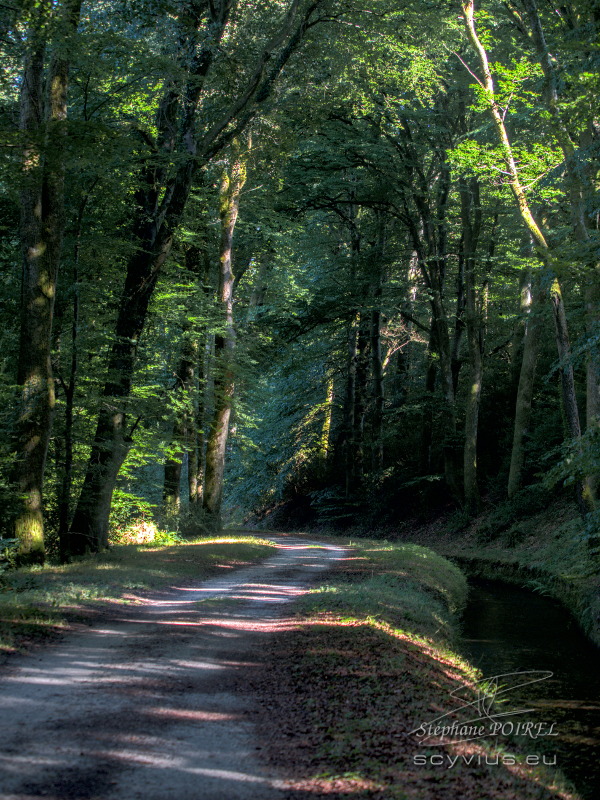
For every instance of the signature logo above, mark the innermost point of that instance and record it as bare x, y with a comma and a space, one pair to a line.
484, 714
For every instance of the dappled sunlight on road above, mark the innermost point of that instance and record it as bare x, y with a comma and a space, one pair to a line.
144, 705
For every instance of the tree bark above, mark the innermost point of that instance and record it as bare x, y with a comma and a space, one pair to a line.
189, 386
197, 444
69, 387
459, 318
360, 400
471, 225
231, 188
399, 382
519, 331
376, 359
184, 420
531, 336
343, 447
42, 123
326, 426
426, 455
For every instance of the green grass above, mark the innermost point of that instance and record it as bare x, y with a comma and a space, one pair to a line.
405, 585
37, 602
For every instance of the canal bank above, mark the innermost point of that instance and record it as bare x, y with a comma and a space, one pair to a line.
545, 552
547, 671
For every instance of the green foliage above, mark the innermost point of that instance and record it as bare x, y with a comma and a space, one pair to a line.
129, 511
580, 459
356, 161
8, 553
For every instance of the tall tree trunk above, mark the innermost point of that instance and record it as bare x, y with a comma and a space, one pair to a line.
376, 358
194, 485
189, 385
426, 459
442, 343
343, 447
112, 440
433, 270
360, 400
459, 318
69, 387
231, 188
197, 435
400, 379
581, 191
184, 421
378, 397
471, 224
42, 122
521, 432
560, 321
519, 331
327, 419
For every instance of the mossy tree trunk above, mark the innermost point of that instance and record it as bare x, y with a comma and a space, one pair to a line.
231, 187
43, 114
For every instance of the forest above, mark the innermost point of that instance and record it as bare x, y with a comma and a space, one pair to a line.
278, 269
332, 256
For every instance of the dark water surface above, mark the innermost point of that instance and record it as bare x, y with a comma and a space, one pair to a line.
508, 629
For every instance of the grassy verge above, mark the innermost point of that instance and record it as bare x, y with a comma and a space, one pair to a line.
36, 603
370, 662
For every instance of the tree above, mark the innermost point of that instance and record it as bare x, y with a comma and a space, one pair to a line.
232, 184
166, 179
43, 113
555, 293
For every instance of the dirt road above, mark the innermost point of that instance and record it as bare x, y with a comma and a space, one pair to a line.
144, 704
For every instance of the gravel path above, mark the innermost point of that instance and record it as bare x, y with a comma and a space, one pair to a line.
143, 705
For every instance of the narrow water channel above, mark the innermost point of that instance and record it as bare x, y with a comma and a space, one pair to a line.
507, 629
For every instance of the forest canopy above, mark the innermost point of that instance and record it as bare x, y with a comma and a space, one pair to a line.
332, 254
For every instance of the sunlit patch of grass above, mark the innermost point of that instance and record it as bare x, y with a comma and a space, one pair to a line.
35, 601
21, 624
404, 585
